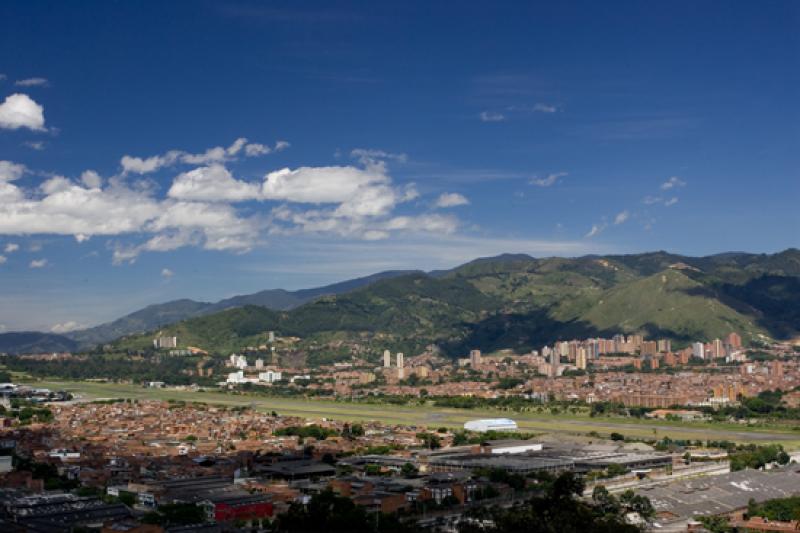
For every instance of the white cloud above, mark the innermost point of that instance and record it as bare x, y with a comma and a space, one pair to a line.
549, 180
217, 154
38, 263
451, 199
369, 156
213, 183
491, 116
621, 217
544, 108
3, 259
596, 230
21, 111
671, 183
198, 208
671, 201
66, 327
91, 179
167, 273
10, 171
32, 82
11, 248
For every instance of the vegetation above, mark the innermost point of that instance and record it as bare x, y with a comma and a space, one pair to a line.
559, 508
783, 509
304, 432
521, 303
329, 512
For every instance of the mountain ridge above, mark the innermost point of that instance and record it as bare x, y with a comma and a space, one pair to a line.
506, 298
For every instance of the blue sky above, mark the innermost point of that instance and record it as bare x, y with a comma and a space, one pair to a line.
151, 151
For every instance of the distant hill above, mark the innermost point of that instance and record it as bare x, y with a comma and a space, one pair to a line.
521, 302
155, 316
509, 301
33, 341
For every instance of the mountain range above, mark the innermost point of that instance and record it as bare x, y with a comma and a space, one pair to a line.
509, 301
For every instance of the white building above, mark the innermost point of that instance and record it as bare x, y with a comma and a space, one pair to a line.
491, 424
269, 376
699, 350
236, 377
165, 342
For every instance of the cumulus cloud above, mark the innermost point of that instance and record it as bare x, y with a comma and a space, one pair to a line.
38, 263
671, 201
213, 183
167, 273
91, 179
451, 199
549, 180
621, 217
672, 183
217, 154
10, 171
199, 208
21, 111
491, 116
32, 82
11, 247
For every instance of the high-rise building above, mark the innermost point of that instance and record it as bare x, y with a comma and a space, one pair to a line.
698, 350
664, 345
581, 359
717, 349
649, 347
400, 363
475, 358
555, 360
733, 340
165, 342
776, 369
387, 359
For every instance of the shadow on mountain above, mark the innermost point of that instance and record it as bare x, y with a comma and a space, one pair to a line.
776, 299
518, 331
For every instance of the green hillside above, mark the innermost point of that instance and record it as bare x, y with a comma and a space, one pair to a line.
668, 304
520, 302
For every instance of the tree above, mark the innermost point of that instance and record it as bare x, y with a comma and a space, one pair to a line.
408, 470
617, 436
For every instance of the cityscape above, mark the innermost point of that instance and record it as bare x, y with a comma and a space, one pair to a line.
395, 267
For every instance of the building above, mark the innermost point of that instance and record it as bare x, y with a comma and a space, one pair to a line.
270, 376
387, 359
580, 359
733, 340
698, 350
160, 343
475, 358
491, 424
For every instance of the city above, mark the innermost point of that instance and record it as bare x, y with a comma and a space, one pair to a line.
399, 267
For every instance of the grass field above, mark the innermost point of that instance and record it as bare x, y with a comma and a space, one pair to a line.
437, 417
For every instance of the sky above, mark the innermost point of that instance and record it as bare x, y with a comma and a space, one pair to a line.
159, 150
